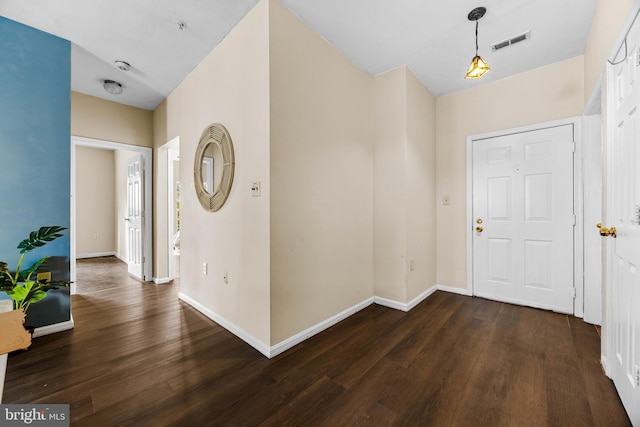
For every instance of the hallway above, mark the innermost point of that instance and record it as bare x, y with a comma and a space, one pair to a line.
138, 356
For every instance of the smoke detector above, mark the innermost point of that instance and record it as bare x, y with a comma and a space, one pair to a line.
122, 65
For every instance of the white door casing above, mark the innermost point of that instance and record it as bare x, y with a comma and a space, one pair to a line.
135, 216
147, 153
623, 213
522, 200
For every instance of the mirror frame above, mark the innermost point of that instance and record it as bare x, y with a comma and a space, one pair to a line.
214, 134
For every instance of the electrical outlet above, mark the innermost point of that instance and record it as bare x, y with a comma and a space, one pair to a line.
45, 276
204, 268
225, 277
412, 264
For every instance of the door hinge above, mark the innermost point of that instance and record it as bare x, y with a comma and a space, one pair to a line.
573, 147
573, 292
573, 219
636, 376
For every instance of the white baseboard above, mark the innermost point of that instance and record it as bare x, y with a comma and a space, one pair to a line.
603, 361
396, 305
237, 331
405, 306
417, 300
162, 280
96, 255
52, 329
325, 324
454, 290
423, 296
272, 351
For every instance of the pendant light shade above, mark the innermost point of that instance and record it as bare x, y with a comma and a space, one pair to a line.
477, 68
478, 65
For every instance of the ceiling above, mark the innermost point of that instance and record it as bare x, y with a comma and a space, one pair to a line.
433, 38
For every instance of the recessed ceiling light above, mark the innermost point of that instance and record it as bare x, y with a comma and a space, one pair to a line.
122, 65
112, 87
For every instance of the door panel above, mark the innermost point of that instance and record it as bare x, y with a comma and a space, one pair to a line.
135, 209
523, 202
623, 212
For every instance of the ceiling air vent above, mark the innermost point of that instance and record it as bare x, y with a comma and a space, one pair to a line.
511, 41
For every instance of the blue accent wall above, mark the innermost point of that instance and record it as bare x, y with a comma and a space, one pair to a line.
35, 120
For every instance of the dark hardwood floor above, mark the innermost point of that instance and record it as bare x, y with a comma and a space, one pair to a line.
139, 357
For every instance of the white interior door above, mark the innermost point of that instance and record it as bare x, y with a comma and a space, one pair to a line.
623, 213
135, 217
523, 218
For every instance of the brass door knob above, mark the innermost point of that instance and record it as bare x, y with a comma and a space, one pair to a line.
479, 229
605, 232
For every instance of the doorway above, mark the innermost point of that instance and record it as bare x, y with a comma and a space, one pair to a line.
173, 208
522, 216
146, 177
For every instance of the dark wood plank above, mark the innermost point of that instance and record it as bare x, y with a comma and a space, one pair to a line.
138, 356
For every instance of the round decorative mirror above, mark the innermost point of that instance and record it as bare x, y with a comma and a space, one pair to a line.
213, 167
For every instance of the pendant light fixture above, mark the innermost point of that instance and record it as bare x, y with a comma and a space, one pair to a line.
478, 66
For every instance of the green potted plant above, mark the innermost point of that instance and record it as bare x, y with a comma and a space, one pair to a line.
19, 285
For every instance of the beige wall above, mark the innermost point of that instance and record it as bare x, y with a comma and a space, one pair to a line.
97, 118
166, 129
390, 192
421, 187
230, 86
404, 186
321, 178
544, 94
607, 22
104, 120
353, 168
95, 201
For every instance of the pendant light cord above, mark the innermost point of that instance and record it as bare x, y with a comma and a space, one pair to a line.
476, 37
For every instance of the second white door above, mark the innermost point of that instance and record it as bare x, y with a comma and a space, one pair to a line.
523, 218
135, 217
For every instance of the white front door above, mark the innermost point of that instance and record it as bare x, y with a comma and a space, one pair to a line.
523, 218
135, 210
623, 213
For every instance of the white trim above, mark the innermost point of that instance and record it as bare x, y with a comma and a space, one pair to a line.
309, 332
162, 280
52, 329
173, 154
423, 296
406, 307
592, 193
147, 153
605, 365
454, 290
95, 255
578, 248
237, 331
272, 351
578, 211
396, 305
594, 104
